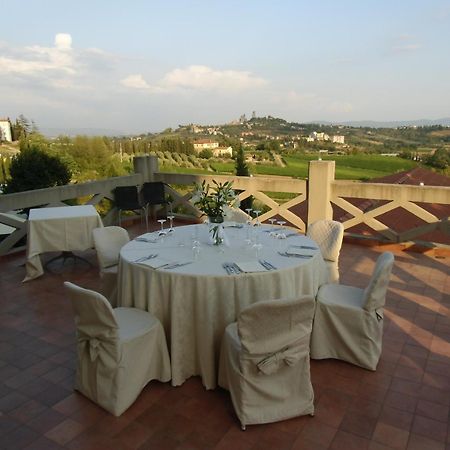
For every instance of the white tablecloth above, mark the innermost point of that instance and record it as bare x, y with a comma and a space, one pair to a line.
63, 228
195, 302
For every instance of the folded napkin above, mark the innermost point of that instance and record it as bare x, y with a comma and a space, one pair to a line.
147, 237
156, 263
251, 266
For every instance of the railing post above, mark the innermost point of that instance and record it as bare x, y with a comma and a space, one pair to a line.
146, 165
321, 176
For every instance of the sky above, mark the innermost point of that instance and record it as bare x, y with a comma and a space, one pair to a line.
143, 66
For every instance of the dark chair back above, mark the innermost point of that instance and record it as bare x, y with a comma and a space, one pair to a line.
127, 198
153, 193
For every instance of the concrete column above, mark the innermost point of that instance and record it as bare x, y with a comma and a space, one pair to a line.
147, 166
321, 175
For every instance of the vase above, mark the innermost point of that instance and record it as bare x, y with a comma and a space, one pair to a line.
216, 231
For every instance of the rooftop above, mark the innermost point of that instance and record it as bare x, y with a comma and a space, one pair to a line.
403, 405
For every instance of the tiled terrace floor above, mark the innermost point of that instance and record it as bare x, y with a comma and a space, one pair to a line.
403, 405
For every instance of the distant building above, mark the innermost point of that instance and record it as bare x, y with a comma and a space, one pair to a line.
202, 144
5, 130
338, 139
315, 136
222, 151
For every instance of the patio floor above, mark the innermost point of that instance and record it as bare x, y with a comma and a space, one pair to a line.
403, 405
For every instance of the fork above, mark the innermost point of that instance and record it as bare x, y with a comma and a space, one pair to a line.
145, 258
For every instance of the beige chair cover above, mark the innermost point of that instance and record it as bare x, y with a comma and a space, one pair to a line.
119, 350
108, 241
264, 361
328, 234
235, 215
348, 322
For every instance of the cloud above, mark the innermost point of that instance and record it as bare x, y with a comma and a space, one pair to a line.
406, 48
404, 43
58, 67
197, 78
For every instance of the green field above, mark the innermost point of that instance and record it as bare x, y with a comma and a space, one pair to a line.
348, 167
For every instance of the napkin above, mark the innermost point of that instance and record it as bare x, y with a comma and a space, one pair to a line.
251, 266
156, 263
147, 237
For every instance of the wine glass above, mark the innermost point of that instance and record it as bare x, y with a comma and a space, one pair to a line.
281, 234
171, 217
273, 231
257, 246
162, 232
257, 213
196, 249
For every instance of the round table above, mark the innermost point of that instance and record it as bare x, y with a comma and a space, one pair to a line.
196, 301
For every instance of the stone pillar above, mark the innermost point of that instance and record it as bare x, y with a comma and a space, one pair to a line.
147, 166
321, 175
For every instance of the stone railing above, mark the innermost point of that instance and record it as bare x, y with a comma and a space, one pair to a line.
321, 197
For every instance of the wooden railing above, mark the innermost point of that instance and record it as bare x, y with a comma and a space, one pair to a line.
317, 198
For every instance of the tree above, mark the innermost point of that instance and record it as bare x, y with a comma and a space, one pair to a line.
243, 171
206, 153
34, 168
439, 159
240, 164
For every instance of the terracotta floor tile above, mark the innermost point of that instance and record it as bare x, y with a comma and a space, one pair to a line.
409, 388
358, 424
396, 418
348, 441
318, 432
430, 428
401, 401
391, 436
26, 411
18, 438
43, 443
417, 442
432, 410
65, 431
133, 435
46, 421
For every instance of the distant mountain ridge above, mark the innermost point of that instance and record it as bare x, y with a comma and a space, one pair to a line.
390, 124
54, 132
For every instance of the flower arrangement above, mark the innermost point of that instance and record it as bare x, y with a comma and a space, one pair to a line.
212, 200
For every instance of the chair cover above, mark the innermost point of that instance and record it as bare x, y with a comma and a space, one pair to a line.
264, 361
108, 241
235, 215
119, 350
328, 234
348, 322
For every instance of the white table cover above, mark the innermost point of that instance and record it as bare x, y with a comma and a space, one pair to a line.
62, 228
195, 302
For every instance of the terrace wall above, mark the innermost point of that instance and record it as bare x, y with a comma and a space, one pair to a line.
319, 197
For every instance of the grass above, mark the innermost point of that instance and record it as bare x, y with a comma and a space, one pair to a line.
348, 167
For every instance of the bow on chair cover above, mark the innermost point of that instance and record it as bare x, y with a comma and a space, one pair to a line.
102, 350
289, 356
264, 361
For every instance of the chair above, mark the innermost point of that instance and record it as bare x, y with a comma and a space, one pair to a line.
119, 350
108, 241
153, 193
328, 234
348, 322
126, 198
264, 361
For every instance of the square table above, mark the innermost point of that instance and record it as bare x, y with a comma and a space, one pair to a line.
62, 228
